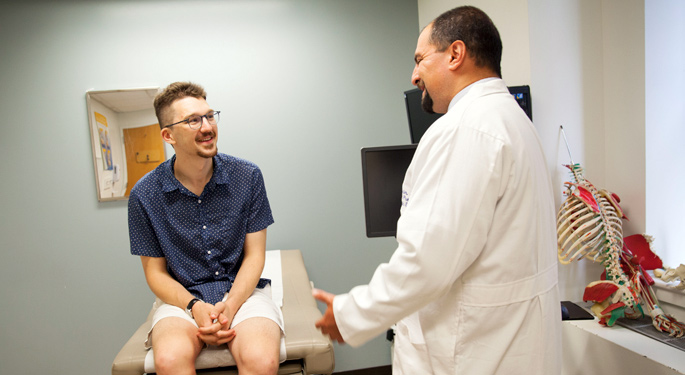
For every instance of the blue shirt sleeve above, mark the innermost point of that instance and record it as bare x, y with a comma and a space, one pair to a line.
260, 210
142, 236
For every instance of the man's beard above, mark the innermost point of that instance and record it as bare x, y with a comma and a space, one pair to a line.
427, 102
209, 153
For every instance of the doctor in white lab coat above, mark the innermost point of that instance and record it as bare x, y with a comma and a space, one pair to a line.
472, 285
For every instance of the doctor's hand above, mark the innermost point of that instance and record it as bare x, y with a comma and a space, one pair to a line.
327, 323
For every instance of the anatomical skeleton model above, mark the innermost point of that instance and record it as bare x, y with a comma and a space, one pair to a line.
673, 274
589, 225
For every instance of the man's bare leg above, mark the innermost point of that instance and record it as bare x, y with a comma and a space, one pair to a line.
176, 346
256, 346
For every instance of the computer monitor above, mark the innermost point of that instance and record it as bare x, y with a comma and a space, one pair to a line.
383, 170
522, 96
420, 120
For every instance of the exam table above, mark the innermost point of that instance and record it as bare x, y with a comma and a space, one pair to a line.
307, 351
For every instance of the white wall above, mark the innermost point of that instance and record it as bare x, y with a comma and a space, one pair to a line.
665, 113
623, 54
302, 86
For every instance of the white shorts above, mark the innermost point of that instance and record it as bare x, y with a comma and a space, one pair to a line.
258, 304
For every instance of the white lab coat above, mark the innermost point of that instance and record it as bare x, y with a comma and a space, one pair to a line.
474, 277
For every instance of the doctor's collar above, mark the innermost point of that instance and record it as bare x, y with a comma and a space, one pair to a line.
466, 89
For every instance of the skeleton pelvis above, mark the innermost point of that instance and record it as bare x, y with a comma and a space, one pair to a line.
607, 296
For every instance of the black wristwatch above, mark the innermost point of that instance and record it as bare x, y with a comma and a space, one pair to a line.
189, 308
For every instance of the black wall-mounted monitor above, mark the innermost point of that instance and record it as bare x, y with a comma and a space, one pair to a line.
383, 170
420, 120
522, 96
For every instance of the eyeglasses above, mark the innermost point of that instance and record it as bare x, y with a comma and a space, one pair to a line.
195, 121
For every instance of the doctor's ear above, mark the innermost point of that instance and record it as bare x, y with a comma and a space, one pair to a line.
457, 51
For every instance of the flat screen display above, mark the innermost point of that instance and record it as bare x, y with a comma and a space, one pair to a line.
383, 170
419, 120
522, 96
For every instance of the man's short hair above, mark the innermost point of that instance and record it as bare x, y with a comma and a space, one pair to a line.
173, 92
473, 27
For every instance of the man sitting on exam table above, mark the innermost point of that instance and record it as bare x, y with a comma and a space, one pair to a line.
198, 222
472, 284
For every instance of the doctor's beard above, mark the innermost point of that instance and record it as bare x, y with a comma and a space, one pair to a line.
427, 102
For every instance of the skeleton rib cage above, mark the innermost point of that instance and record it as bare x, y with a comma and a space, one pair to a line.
589, 225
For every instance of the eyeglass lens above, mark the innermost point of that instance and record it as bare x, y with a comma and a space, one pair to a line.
196, 121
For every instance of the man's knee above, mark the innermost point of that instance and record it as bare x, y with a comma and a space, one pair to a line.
171, 360
256, 346
254, 361
175, 346
268, 366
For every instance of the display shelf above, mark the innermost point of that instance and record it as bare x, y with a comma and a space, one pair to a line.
590, 348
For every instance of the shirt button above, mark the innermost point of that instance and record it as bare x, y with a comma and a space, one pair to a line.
209, 252
204, 227
199, 201
216, 273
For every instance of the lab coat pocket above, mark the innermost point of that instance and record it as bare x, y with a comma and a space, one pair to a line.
410, 356
498, 337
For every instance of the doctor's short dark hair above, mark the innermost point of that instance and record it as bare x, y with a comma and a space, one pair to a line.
173, 92
473, 27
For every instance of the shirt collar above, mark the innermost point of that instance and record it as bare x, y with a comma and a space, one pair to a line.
465, 90
220, 175
171, 183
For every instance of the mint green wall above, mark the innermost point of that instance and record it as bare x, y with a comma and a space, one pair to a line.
302, 86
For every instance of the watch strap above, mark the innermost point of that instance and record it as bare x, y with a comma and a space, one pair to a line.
189, 308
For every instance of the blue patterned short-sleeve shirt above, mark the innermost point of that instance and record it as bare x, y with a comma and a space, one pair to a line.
201, 237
